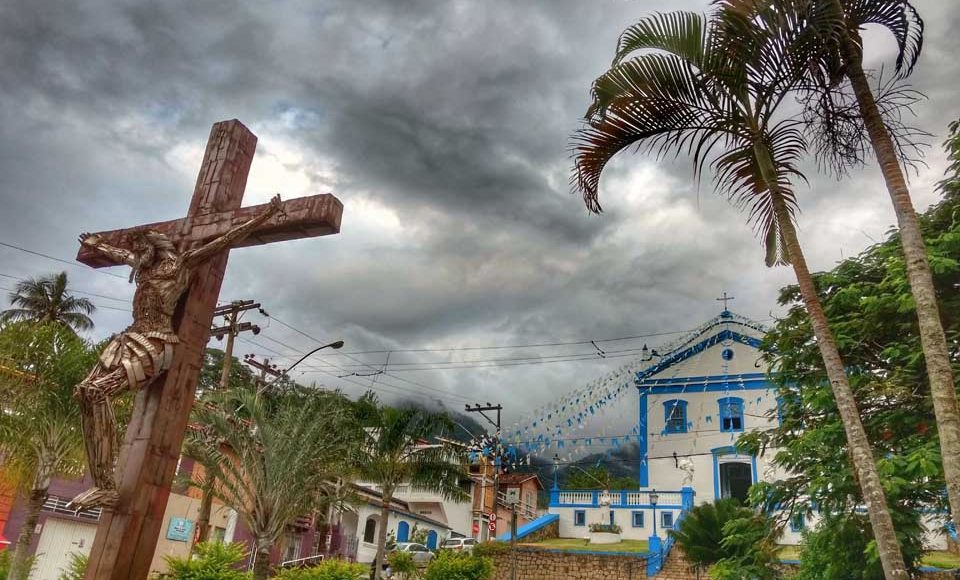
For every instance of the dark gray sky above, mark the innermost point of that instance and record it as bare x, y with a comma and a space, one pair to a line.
443, 127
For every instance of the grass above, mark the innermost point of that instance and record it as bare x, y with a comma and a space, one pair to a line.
936, 558
577, 544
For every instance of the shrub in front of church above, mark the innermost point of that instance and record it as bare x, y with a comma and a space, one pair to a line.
700, 532
451, 565
839, 549
210, 561
327, 570
751, 550
401, 562
605, 528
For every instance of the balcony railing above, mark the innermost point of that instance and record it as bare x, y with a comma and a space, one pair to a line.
621, 499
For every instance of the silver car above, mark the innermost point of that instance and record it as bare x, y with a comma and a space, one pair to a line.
420, 553
459, 544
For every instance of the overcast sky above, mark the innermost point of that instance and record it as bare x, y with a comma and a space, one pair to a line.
443, 127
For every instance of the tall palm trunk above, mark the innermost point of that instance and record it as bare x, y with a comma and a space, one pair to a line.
203, 518
261, 567
382, 532
932, 338
861, 455
20, 567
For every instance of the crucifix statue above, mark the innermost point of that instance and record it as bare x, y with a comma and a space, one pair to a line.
178, 267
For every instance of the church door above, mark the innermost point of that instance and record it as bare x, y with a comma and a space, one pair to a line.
735, 480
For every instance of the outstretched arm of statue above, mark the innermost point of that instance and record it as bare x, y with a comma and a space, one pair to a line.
118, 255
201, 254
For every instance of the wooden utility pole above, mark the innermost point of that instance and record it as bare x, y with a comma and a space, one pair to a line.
128, 532
231, 314
483, 409
265, 367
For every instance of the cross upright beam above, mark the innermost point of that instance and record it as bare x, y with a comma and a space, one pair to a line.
127, 534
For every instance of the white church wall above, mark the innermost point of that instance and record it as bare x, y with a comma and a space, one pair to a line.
623, 517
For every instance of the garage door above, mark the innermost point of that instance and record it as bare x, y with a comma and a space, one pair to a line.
58, 539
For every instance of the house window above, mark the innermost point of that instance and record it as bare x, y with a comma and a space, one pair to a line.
370, 530
731, 414
580, 517
638, 519
613, 520
666, 520
675, 416
797, 523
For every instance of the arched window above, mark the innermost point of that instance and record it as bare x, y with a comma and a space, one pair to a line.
370, 530
675, 416
731, 414
403, 531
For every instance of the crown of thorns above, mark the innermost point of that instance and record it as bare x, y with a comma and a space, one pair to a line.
155, 239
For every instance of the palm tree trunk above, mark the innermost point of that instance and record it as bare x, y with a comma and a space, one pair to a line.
261, 567
382, 532
203, 518
861, 455
20, 567
932, 338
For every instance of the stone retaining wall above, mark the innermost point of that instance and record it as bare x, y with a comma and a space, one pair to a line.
551, 530
542, 564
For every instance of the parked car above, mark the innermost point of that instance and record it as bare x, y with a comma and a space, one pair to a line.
459, 544
420, 553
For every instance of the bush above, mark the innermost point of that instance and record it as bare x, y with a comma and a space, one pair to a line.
76, 569
5, 563
842, 548
401, 562
700, 532
450, 565
750, 548
605, 528
490, 549
328, 570
211, 561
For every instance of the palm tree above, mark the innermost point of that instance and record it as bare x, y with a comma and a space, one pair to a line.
40, 430
272, 456
46, 299
682, 84
838, 54
395, 451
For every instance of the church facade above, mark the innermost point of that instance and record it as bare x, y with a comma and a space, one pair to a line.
694, 402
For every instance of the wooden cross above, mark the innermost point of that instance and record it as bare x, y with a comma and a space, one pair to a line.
725, 299
127, 534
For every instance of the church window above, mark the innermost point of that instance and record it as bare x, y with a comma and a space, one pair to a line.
731, 414
797, 523
613, 518
666, 520
675, 416
638, 519
580, 518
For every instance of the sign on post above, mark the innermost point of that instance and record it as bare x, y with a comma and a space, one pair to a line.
513, 495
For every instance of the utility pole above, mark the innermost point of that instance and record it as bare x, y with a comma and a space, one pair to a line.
483, 409
265, 367
231, 314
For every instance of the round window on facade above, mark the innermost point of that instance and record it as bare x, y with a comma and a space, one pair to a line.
727, 354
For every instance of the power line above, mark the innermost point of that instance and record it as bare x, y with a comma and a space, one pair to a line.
61, 260
72, 289
95, 304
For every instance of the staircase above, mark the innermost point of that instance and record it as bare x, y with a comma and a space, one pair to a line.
676, 567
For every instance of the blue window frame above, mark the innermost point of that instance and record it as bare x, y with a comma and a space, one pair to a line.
666, 520
613, 520
579, 518
797, 523
731, 414
638, 519
675, 416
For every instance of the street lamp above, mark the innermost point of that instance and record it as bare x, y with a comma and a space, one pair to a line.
653, 502
334, 345
556, 469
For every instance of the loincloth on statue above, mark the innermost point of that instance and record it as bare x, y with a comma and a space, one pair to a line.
142, 355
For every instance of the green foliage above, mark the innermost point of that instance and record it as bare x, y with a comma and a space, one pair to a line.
700, 532
401, 562
327, 570
47, 300
867, 299
598, 476
5, 557
750, 550
419, 535
210, 561
605, 528
842, 548
76, 568
451, 565
490, 549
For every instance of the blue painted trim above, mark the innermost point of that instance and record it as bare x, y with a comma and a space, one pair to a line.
718, 387
576, 514
666, 381
638, 555
724, 403
717, 452
682, 355
531, 527
669, 406
403, 531
642, 442
620, 507
432, 538
663, 520
633, 519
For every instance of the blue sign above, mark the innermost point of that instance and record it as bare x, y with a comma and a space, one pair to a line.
180, 529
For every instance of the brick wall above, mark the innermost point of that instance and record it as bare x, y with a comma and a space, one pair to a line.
540, 564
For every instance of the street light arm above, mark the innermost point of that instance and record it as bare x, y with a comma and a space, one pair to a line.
283, 373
